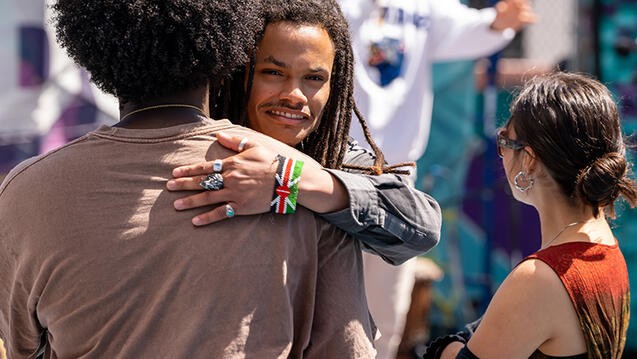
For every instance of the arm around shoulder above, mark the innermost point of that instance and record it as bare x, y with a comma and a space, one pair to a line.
386, 213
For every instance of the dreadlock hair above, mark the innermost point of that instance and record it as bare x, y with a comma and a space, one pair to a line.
327, 144
139, 50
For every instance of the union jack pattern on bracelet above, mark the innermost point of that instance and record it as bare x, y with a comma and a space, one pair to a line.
286, 186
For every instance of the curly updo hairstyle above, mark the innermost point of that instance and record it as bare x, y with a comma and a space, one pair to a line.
138, 50
572, 124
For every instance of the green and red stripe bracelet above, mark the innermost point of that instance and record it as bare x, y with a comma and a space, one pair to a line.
286, 185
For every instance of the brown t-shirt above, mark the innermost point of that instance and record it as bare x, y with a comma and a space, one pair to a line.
95, 260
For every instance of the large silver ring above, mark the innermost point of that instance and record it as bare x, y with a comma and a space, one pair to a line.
242, 144
217, 165
229, 210
212, 182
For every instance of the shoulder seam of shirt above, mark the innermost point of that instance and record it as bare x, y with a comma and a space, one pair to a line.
172, 137
42, 157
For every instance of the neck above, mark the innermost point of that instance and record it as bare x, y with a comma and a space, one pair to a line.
139, 116
555, 217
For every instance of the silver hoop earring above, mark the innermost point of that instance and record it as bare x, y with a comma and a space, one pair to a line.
517, 185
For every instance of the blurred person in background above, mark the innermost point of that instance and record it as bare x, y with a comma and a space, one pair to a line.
564, 154
395, 44
95, 261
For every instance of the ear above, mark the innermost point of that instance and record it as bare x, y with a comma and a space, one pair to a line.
530, 163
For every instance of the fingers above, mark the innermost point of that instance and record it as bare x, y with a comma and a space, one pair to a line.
199, 169
513, 14
203, 168
185, 183
529, 18
234, 142
218, 214
205, 198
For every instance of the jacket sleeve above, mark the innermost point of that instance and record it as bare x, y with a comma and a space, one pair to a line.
458, 32
387, 214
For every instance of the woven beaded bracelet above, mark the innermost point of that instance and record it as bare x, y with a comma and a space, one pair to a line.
286, 185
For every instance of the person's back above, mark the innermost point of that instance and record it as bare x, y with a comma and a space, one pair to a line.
596, 280
97, 263
108, 267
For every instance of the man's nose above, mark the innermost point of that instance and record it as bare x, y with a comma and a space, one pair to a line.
293, 93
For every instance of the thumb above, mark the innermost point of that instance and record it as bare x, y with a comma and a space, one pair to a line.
233, 142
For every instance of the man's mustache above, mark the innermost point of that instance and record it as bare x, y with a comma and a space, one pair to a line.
298, 107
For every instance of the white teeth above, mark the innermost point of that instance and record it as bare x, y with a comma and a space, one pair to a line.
288, 115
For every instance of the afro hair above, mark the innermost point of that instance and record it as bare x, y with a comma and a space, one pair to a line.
139, 50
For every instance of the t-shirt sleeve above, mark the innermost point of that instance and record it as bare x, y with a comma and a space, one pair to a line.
342, 326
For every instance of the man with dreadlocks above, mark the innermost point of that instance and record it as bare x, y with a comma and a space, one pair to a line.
297, 89
95, 262
300, 93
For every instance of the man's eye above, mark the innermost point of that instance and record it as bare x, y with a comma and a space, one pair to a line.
271, 72
316, 78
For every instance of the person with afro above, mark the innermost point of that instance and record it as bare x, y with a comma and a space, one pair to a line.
97, 263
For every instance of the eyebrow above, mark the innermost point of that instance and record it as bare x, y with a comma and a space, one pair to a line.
272, 60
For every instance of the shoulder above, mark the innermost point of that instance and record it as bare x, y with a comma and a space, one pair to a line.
531, 280
528, 291
16, 171
31, 176
25, 169
529, 304
534, 270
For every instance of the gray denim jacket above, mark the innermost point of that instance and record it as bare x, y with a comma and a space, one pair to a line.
387, 214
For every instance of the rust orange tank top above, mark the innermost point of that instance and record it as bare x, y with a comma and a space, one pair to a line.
596, 279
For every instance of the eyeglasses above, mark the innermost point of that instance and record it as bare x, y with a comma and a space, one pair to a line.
503, 141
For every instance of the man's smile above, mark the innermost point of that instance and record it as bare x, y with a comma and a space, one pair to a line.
288, 116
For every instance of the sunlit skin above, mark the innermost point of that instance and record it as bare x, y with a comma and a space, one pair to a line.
291, 82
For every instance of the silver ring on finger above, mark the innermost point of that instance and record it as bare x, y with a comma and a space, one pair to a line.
229, 210
217, 165
242, 144
212, 182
